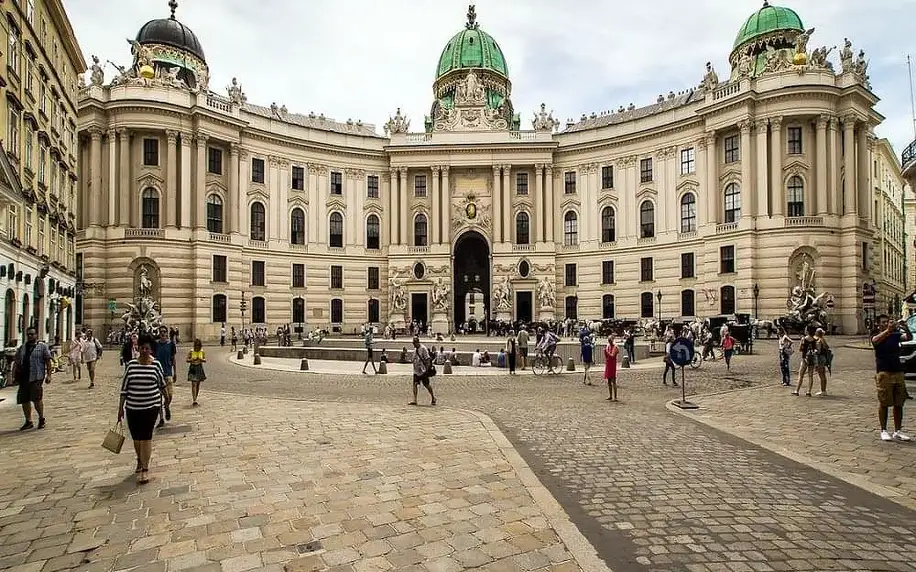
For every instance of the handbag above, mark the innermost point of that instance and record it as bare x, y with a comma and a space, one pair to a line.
114, 440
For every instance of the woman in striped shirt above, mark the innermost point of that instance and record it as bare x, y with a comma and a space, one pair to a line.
141, 399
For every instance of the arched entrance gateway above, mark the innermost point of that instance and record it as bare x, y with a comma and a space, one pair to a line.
471, 275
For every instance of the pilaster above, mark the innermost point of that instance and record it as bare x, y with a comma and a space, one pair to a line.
776, 153
233, 204
834, 159
187, 192
315, 206
200, 197
713, 193
124, 184
446, 206
112, 178
821, 174
170, 196
435, 226
747, 164
850, 196
507, 203
497, 205
537, 223
763, 169
391, 213
550, 220
94, 203
403, 206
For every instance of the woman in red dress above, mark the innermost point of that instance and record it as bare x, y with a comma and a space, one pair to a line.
610, 368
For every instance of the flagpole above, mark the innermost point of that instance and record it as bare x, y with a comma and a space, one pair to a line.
909, 68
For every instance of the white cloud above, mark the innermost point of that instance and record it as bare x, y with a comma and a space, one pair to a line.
361, 59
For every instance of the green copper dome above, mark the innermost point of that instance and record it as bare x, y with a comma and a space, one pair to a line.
768, 19
472, 48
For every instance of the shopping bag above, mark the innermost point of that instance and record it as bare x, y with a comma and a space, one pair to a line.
114, 440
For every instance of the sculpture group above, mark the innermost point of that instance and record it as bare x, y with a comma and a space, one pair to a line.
142, 314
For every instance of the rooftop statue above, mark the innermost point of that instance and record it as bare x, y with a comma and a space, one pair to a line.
397, 124
544, 121
236, 95
711, 79
143, 56
846, 57
472, 18
97, 75
801, 42
470, 92
819, 59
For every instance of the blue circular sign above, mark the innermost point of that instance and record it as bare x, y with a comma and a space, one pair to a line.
681, 352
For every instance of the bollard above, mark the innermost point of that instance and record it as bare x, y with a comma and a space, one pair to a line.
239, 355
447, 368
257, 359
304, 364
625, 362
383, 368
571, 365
245, 350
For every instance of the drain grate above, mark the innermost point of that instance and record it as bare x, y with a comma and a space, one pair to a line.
309, 548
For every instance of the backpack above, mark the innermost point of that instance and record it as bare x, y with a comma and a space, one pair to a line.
789, 350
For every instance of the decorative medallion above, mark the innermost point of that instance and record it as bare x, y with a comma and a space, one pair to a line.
471, 210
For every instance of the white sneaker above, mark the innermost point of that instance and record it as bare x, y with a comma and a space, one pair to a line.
820, 393
885, 436
900, 436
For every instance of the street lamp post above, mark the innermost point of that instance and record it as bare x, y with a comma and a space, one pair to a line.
658, 295
243, 305
756, 292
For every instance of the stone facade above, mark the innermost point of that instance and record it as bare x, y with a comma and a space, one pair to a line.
890, 227
704, 197
41, 64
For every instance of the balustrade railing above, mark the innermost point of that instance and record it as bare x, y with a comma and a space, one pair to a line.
522, 247
144, 233
796, 221
219, 237
417, 249
258, 244
908, 157
726, 227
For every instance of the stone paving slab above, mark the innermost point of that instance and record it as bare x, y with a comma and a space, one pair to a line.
245, 483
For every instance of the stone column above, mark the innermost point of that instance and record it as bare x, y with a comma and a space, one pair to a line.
403, 206
777, 149
712, 179
95, 182
833, 183
849, 163
324, 192
763, 170
274, 207
170, 197
496, 197
233, 205
446, 207
628, 213
537, 221
701, 163
391, 213
863, 170
550, 220
112, 219
244, 179
283, 184
200, 196
747, 206
821, 168
507, 203
436, 215
124, 191
186, 190
314, 208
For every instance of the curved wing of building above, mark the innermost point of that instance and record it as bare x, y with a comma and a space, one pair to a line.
715, 200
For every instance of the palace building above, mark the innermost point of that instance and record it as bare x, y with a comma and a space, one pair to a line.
714, 200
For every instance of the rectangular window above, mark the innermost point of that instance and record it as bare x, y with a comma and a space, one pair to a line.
336, 183
570, 181
336, 277
41, 236
29, 76
30, 12
607, 272
688, 161
372, 186
42, 162
257, 273
215, 161
572, 307
419, 185
257, 170
646, 269
372, 278
864, 255
732, 149
607, 177
570, 275
298, 178
28, 226
688, 265
521, 183
12, 59
12, 142
220, 272
219, 309
688, 303
795, 140
727, 259
298, 275
151, 152
645, 170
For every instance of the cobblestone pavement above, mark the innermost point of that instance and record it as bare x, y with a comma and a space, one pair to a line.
263, 484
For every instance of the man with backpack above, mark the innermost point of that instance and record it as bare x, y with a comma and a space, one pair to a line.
423, 370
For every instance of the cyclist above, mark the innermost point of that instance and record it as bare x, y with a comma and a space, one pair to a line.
708, 344
548, 345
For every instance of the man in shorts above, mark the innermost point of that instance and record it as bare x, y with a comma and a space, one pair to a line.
30, 370
164, 350
369, 342
522, 339
889, 379
422, 362
92, 353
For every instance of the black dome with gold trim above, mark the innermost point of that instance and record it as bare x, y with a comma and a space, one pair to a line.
170, 32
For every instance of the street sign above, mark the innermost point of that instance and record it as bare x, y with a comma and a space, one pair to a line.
681, 352
112, 305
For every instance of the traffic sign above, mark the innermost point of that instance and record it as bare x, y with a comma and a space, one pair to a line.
112, 305
681, 352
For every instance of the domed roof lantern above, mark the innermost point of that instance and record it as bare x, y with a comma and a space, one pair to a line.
170, 32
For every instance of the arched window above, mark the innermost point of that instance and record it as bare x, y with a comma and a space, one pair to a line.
688, 303
297, 226
608, 225
688, 213
646, 305
335, 231
373, 312
607, 306
727, 300
336, 311
646, 220
258, 310
572, 307
258, 222
215, 214
420, 228
373, 231
732, 203
795, 195
150, 208
570, 229
218, 314
522, 228
298, 310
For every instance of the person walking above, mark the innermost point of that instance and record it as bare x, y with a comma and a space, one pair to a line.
785, 352
222, 335
142, 390
823, 359
889, 379
31, 371
92, 353
196, 360
586, 345
234, 339
164, 351
728, 348
511, 352
130, 350
610, 368
369, 341
76, 357
669, 365
523, 346
422, 368
629, 344
808, 351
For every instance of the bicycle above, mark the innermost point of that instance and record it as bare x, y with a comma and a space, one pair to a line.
541, 365
715, 354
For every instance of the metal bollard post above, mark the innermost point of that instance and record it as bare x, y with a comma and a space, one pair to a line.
447, 368
625, 362
383, 368
304, 364
257, 359
571, 365
239, 355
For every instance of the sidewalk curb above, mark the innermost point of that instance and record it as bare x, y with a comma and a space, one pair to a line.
851, 478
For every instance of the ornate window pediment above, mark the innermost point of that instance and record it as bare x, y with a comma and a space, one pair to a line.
646, 193
150, 179
336, 204
258, 195
570, 201
796, 167
687, 183
298, 201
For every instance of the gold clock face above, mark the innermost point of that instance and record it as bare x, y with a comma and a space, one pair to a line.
471, 210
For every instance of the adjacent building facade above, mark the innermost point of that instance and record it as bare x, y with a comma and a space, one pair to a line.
715, 200
890, 226
41, 64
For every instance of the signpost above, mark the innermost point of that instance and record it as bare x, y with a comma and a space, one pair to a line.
681, 354
112, 305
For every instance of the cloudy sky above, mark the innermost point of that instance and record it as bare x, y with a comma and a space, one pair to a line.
361, 59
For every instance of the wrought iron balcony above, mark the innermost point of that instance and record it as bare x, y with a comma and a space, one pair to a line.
908, 160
